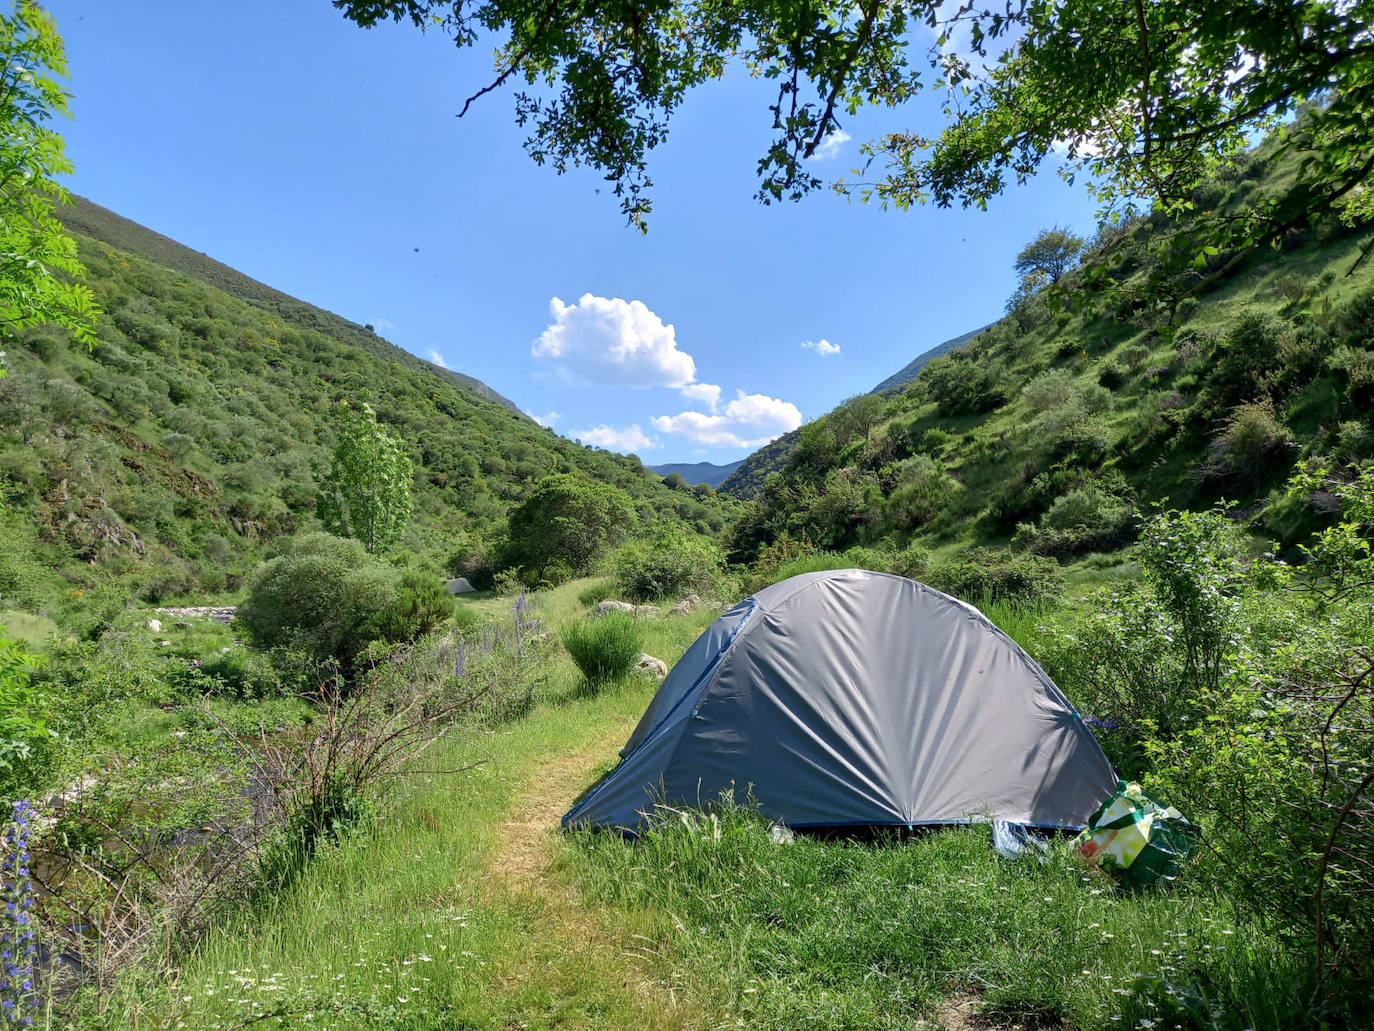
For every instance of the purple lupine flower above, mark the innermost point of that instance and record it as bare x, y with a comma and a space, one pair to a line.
460, 663
18, 947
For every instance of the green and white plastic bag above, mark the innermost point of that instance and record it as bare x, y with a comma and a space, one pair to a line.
1136, 839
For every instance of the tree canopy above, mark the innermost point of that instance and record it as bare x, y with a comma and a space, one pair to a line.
39, 270
1049, 254
565, 522
1146, 98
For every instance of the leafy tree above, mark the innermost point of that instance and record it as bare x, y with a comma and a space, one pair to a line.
366, 493
567, 519
39, 269
1049, 255
1145, 98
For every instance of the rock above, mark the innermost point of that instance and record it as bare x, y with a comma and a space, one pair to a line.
155, 625
611, 605
645, 610
649, 664
164, 644
687, 604
181, 624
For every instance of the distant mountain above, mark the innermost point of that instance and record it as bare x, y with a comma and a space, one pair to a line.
747, 479
89, 218
913, 369
697, 472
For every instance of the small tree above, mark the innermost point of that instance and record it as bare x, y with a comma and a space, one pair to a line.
1049, 254
567, 519
366, 493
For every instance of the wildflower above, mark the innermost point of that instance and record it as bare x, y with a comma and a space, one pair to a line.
18, 925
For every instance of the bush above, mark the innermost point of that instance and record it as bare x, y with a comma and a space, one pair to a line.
1084, 519
962, 385
1051, 389
1253, 444
26, 739
987, 576
922, 491
605, 647
672, 564
328, 597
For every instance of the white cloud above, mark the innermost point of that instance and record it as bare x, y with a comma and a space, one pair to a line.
547, 419
822, 347
611, 342
748, 421
707, 393
630, 438
830, 146
437, 358
381, 325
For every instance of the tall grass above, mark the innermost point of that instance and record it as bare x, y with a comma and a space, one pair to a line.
845, 934
605, 648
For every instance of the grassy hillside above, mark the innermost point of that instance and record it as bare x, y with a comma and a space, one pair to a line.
913, 368
746, 479
1057, 423
90, 219
167, 460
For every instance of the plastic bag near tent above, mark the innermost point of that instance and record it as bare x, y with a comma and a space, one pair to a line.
1136, 839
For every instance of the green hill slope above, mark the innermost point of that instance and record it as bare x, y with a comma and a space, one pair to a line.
90, 219
748, 476
1055, 425
169, 459
913, 368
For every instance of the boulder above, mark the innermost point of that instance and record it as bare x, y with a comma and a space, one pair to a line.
648, 664
646, 610
155, 625
688, 604
611, 605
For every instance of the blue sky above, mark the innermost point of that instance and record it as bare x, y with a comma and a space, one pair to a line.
328, 162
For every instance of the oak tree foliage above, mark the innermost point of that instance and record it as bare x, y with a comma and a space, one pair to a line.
1146, 98
40, 274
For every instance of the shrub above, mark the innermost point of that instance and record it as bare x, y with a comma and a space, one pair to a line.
1250, 447
328, 597
1084, 519
987, 576
923, 490
963, 385
1051, 389
26, 739
672, 564
605, 647
1110, 376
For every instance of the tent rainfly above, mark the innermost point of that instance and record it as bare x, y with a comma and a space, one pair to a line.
850, 698
459, 585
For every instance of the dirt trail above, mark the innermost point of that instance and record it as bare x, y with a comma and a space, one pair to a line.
576, 950
523, 859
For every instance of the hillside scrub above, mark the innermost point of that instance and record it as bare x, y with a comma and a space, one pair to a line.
171, 458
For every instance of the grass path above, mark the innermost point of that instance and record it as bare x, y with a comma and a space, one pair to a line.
524, 865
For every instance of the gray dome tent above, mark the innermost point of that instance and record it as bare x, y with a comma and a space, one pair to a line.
852, 698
